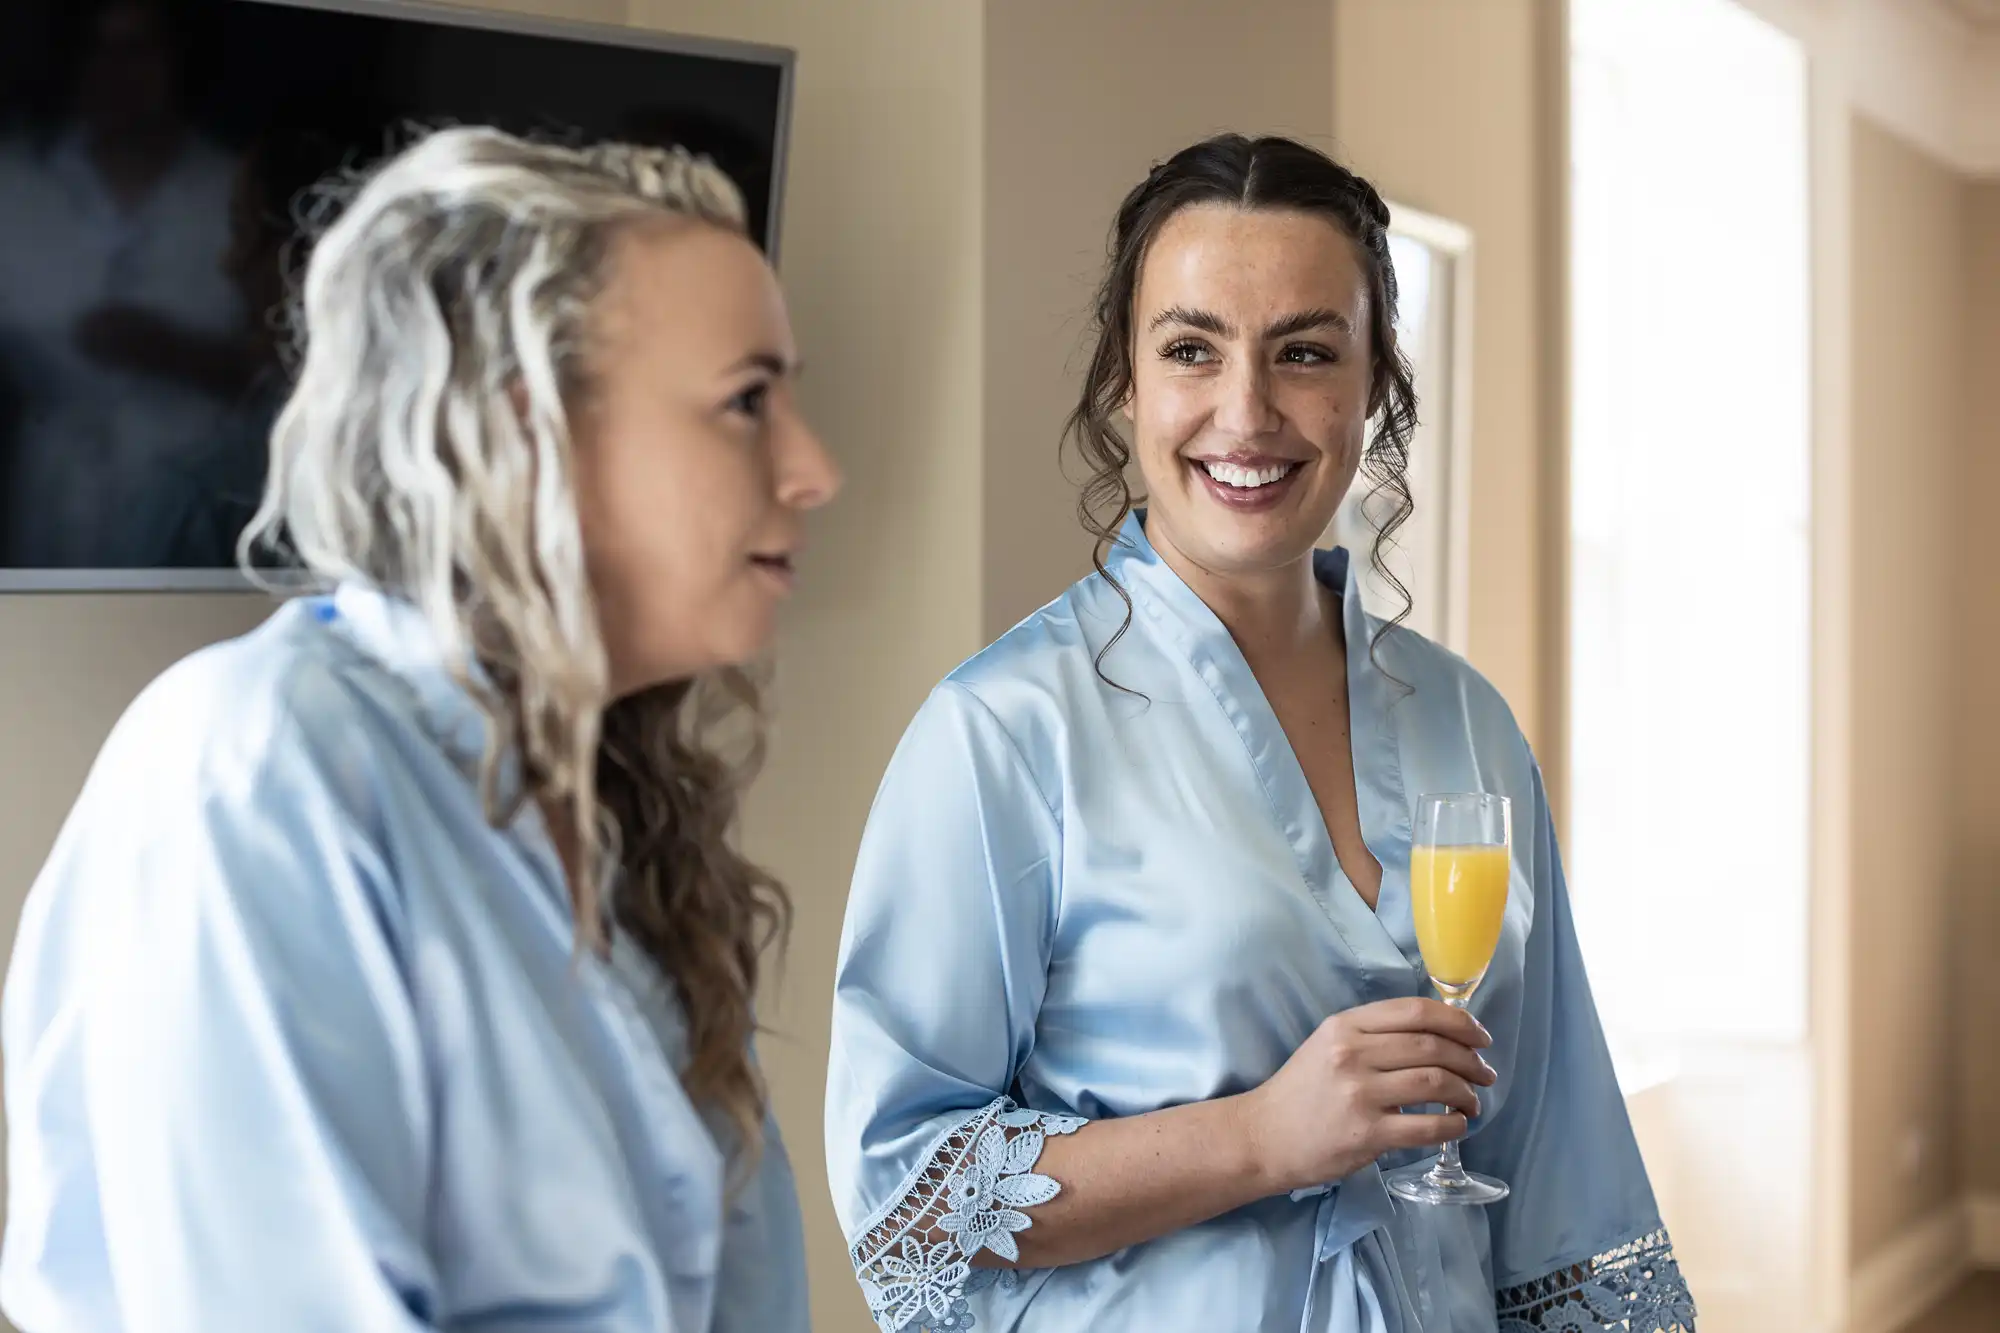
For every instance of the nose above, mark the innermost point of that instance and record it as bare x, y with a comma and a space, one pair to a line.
1245, 408
807, 475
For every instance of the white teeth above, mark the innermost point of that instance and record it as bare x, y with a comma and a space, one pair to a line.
1248, 478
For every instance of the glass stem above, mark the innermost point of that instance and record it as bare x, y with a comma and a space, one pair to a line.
1449, 1168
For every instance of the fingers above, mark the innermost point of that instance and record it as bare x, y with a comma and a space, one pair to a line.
1419, 1050
1424, 1087
1420, 1015
1419, 1131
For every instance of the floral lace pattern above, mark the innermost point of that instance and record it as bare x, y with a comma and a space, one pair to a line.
1636, 1288
915, 1260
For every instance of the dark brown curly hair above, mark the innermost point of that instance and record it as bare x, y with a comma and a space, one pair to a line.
1263, 173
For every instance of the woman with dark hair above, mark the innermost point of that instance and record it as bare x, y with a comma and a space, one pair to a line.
1130, 1001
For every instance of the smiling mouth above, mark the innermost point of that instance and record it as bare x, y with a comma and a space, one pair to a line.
780, 565
1247, 483
1248, 477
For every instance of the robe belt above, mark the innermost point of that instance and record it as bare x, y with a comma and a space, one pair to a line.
1351, 1212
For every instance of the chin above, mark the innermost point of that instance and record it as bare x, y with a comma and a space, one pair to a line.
720, 653
745, 643
1249, 543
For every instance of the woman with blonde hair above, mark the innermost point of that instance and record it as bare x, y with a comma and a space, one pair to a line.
395, 969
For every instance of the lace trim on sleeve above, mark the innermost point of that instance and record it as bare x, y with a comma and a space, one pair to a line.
915, 1260
1636, 1288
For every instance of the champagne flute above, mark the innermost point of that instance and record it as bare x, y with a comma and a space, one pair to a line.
1459, 862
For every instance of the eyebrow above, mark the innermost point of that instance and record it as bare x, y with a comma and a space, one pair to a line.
1319, 317
770, 363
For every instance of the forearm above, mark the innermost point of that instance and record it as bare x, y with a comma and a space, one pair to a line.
1129, 1180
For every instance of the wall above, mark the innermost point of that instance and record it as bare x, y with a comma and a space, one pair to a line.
1080, 101
1978, 657
1444, 104
1909, 322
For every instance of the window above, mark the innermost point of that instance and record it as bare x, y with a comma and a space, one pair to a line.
1689, 653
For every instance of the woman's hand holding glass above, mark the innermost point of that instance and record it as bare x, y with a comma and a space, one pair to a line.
1337, 1104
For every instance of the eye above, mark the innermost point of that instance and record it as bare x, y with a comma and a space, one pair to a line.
1306, 354
1188, 352
752, 402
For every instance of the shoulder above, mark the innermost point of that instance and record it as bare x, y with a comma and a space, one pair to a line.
236, 802
1050, 657
997, 724
1033, 684
1436, 674
1446, 709
280, 722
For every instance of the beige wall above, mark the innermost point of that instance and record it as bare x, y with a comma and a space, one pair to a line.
1444, 104
1080, 100
1978, 776
1910, 318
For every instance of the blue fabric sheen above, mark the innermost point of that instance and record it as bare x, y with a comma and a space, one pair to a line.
1090, 902
295, 1039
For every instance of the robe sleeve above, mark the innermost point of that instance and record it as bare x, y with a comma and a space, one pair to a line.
213, 1061
943, 965
1579, 1243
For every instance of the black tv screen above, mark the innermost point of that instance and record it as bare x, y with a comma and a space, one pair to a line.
151, 156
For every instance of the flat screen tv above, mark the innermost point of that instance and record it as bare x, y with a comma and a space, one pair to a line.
151, 153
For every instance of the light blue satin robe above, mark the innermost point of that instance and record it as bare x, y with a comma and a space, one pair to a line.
295, 1040
1073, 903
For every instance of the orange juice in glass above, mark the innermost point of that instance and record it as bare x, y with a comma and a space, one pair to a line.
1459, 897
1460, 861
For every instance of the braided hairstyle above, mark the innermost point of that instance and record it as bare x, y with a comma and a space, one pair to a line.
1263, 173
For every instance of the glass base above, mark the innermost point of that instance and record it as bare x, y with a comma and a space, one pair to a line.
1429, 1183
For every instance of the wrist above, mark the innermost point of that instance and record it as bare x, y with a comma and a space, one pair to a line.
1253, 1145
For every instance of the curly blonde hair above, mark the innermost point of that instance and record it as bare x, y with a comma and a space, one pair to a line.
426, 451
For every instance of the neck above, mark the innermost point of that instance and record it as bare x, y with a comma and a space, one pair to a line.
1272, 614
